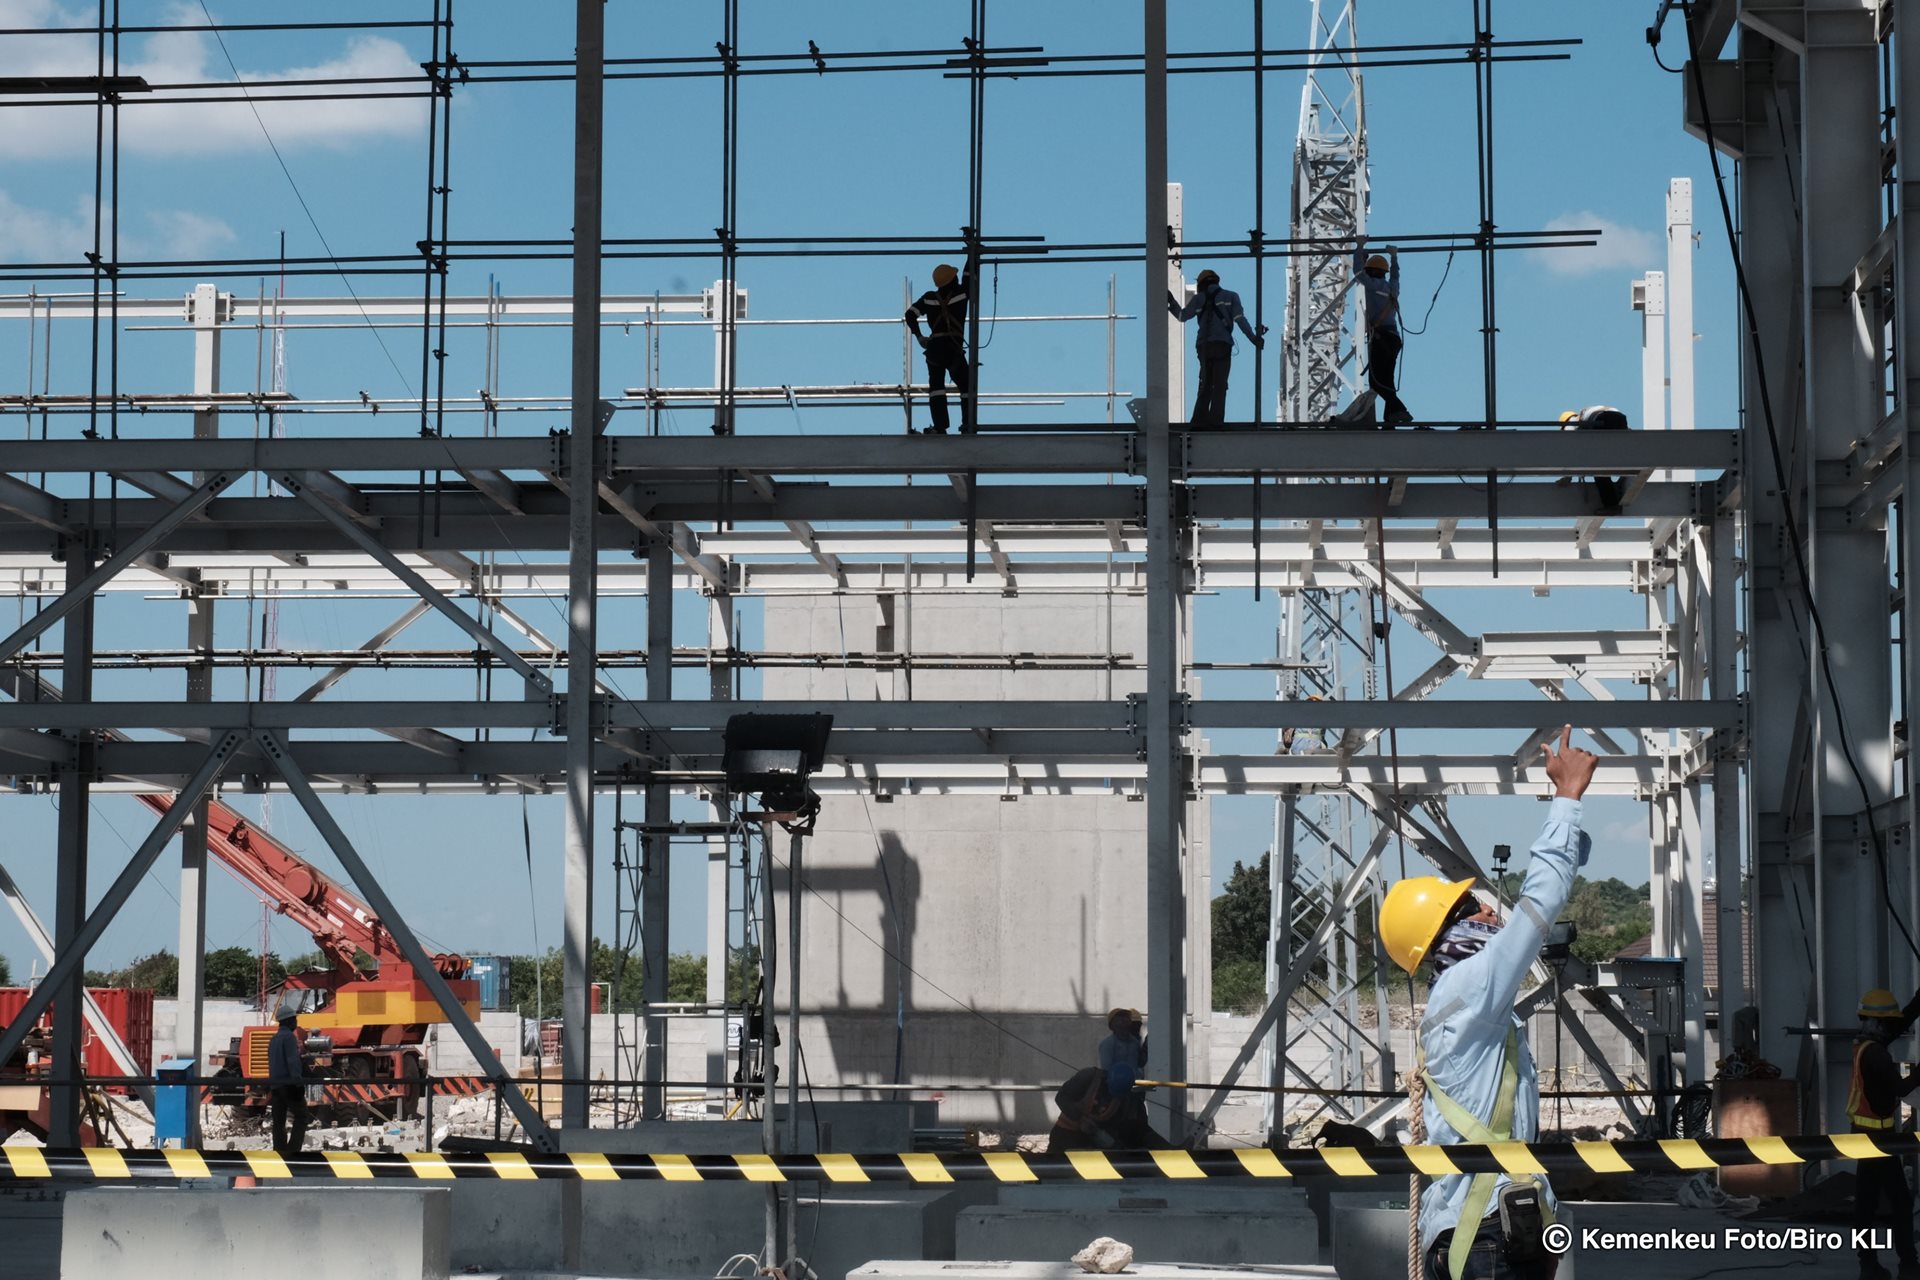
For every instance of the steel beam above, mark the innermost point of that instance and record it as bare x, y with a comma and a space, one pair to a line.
298, 484
73, 949
281, 756
657, 864
82, 591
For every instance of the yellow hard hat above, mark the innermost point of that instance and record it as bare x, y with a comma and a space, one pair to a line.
1378, 262
1413, 913
1879, 1003
944, 274
1569, 416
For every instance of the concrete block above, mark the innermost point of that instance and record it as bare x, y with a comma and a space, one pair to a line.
325, 1233
1157, 1235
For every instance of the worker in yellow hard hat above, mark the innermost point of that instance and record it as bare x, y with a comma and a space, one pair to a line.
944, 308
1599, 417
1474, 1058
1873, 1107
1378, 275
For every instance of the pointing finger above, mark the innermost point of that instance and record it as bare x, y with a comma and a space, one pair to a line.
1566, 738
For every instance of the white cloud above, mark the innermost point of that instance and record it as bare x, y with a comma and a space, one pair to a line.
183, 235
1619, 247
205, 127
29, 234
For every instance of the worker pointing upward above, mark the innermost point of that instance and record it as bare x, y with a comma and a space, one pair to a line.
1478, 1069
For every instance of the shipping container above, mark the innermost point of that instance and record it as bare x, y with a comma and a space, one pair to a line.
128, 1011
494, 974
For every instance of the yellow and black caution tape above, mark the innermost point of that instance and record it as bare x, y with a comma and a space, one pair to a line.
1675, 1155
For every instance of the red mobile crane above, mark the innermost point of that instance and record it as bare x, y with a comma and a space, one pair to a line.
370, 1005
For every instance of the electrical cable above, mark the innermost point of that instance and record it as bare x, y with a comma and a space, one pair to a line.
1805, 579
311, 220
1445, 271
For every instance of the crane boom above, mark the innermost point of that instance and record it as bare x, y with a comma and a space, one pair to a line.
341, 924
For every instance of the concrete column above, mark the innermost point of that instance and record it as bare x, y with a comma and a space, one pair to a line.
1650, 301
1166, 792
1840, 194
70, 884
576, 1057
1679, 300
654, 879
1724, 677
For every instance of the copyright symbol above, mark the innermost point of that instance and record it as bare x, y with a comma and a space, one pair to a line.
1558, 1237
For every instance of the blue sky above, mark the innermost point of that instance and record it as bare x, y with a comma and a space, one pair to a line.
1589, 142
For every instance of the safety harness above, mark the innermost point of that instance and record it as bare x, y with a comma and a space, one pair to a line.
1468, 1126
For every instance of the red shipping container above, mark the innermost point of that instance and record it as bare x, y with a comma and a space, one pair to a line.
129, 1012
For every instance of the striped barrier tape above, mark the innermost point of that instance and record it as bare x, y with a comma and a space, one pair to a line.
1675, 1155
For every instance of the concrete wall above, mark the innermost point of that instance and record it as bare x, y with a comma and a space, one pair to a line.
1024, 922
318, 1232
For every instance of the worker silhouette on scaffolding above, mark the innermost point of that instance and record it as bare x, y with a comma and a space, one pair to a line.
944, 308
1219, 311
1378, 276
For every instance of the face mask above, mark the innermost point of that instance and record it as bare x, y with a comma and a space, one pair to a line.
1461, 940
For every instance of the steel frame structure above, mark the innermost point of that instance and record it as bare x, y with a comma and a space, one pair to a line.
473, 526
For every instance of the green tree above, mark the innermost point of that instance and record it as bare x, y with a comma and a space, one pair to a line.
1239, 986
686, 978
1240, 915
158, 973
6, 973
233, 973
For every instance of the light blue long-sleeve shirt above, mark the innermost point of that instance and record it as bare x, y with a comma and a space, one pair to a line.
1470, 1011
1382, 293
1219, 310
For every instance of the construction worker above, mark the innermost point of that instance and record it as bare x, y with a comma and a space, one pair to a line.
1599, 417
944, 308
1127, 1041
1379, 278
286, 1084
1219, 311
1481, 1085
1873, 1106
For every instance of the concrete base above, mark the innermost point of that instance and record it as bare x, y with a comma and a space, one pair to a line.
1183, 1235
320, 1233
891, 1270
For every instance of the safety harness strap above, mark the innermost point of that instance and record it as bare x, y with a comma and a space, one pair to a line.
1468, 1126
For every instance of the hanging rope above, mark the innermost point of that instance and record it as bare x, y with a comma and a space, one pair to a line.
1417, 1132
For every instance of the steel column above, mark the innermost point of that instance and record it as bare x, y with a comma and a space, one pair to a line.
70, 883
655, 876
582, 453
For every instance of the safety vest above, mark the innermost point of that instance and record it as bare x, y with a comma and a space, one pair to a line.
1859, 1110
1468, 1126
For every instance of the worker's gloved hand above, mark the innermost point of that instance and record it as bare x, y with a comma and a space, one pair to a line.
1570, 769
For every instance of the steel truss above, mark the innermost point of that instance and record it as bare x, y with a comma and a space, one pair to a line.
480, 527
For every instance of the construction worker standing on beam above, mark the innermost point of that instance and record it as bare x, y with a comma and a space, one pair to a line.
1219, 311
1873, 1107
1378, 276
1478, 1070
944, 307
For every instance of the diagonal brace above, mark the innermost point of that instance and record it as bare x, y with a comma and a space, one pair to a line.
136, 547
117, 894
1297, 969
293, 482
277, 750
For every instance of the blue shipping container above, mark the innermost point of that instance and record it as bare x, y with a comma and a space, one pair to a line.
491, 972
